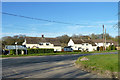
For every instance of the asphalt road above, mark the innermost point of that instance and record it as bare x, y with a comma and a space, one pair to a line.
44, 67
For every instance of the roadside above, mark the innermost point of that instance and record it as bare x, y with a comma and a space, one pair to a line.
59, 66
103, 65
59, 54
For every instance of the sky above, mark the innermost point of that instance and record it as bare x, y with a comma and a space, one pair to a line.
90, 15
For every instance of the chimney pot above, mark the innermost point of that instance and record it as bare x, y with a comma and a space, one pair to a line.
42, 36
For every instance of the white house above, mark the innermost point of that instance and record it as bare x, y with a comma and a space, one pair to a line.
42, 42
99, 42
80, 44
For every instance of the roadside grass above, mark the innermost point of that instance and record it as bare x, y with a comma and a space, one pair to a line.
57, 53
100, 63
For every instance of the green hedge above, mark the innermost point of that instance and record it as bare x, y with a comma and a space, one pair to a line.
13, 51
112, 47
32, 51
77, 51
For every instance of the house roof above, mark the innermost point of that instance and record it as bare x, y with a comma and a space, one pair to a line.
37, 40
101, 41
80, 41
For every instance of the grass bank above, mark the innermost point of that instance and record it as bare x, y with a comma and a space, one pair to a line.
59, 53
106, 65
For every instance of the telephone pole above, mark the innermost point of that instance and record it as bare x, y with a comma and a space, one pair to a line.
103, 37
16, 48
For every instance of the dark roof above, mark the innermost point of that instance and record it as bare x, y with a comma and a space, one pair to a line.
37, 40
101, 40
80, 41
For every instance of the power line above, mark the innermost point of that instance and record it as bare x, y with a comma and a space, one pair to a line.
38, 18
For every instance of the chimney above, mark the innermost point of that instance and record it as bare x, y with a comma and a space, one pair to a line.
42, 36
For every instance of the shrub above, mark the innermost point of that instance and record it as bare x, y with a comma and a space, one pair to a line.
33, 51
101, 48
5, 52
108, 48
12, 52
112, 47
76, 50
98, 48
19, 51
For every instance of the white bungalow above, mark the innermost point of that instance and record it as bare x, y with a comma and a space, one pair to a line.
42, 42
99, 42
83, 45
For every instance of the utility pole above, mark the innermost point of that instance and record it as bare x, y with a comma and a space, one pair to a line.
103, 37
16, 48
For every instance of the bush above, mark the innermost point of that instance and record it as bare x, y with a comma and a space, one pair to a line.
108, 48
62, 51
101, 48
76, 50
12, 52
5, 52
33, 51
112, 47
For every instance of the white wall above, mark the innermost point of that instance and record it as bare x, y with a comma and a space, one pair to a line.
70, 43
83, 46
57, 48
101, 44
50, 46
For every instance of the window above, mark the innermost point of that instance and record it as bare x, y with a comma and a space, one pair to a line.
87, 49
41, 44
24, 45
79, 48
86, 44
82, 44
47, 44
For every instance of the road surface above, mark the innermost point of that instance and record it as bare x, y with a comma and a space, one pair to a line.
60, 66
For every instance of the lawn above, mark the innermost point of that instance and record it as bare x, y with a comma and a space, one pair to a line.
59, 53
101, 63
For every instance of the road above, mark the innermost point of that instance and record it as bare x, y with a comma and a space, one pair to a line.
60, 66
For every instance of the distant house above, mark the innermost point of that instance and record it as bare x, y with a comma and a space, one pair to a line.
99, 42
68, 48
83, 45
42, 42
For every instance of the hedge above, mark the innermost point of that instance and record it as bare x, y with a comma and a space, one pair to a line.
32, 51
13, 51
112, 47
77, 51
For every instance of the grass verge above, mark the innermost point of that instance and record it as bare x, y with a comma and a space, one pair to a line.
105, 65
59, 53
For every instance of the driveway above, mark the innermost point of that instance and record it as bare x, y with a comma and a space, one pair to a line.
60, 66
